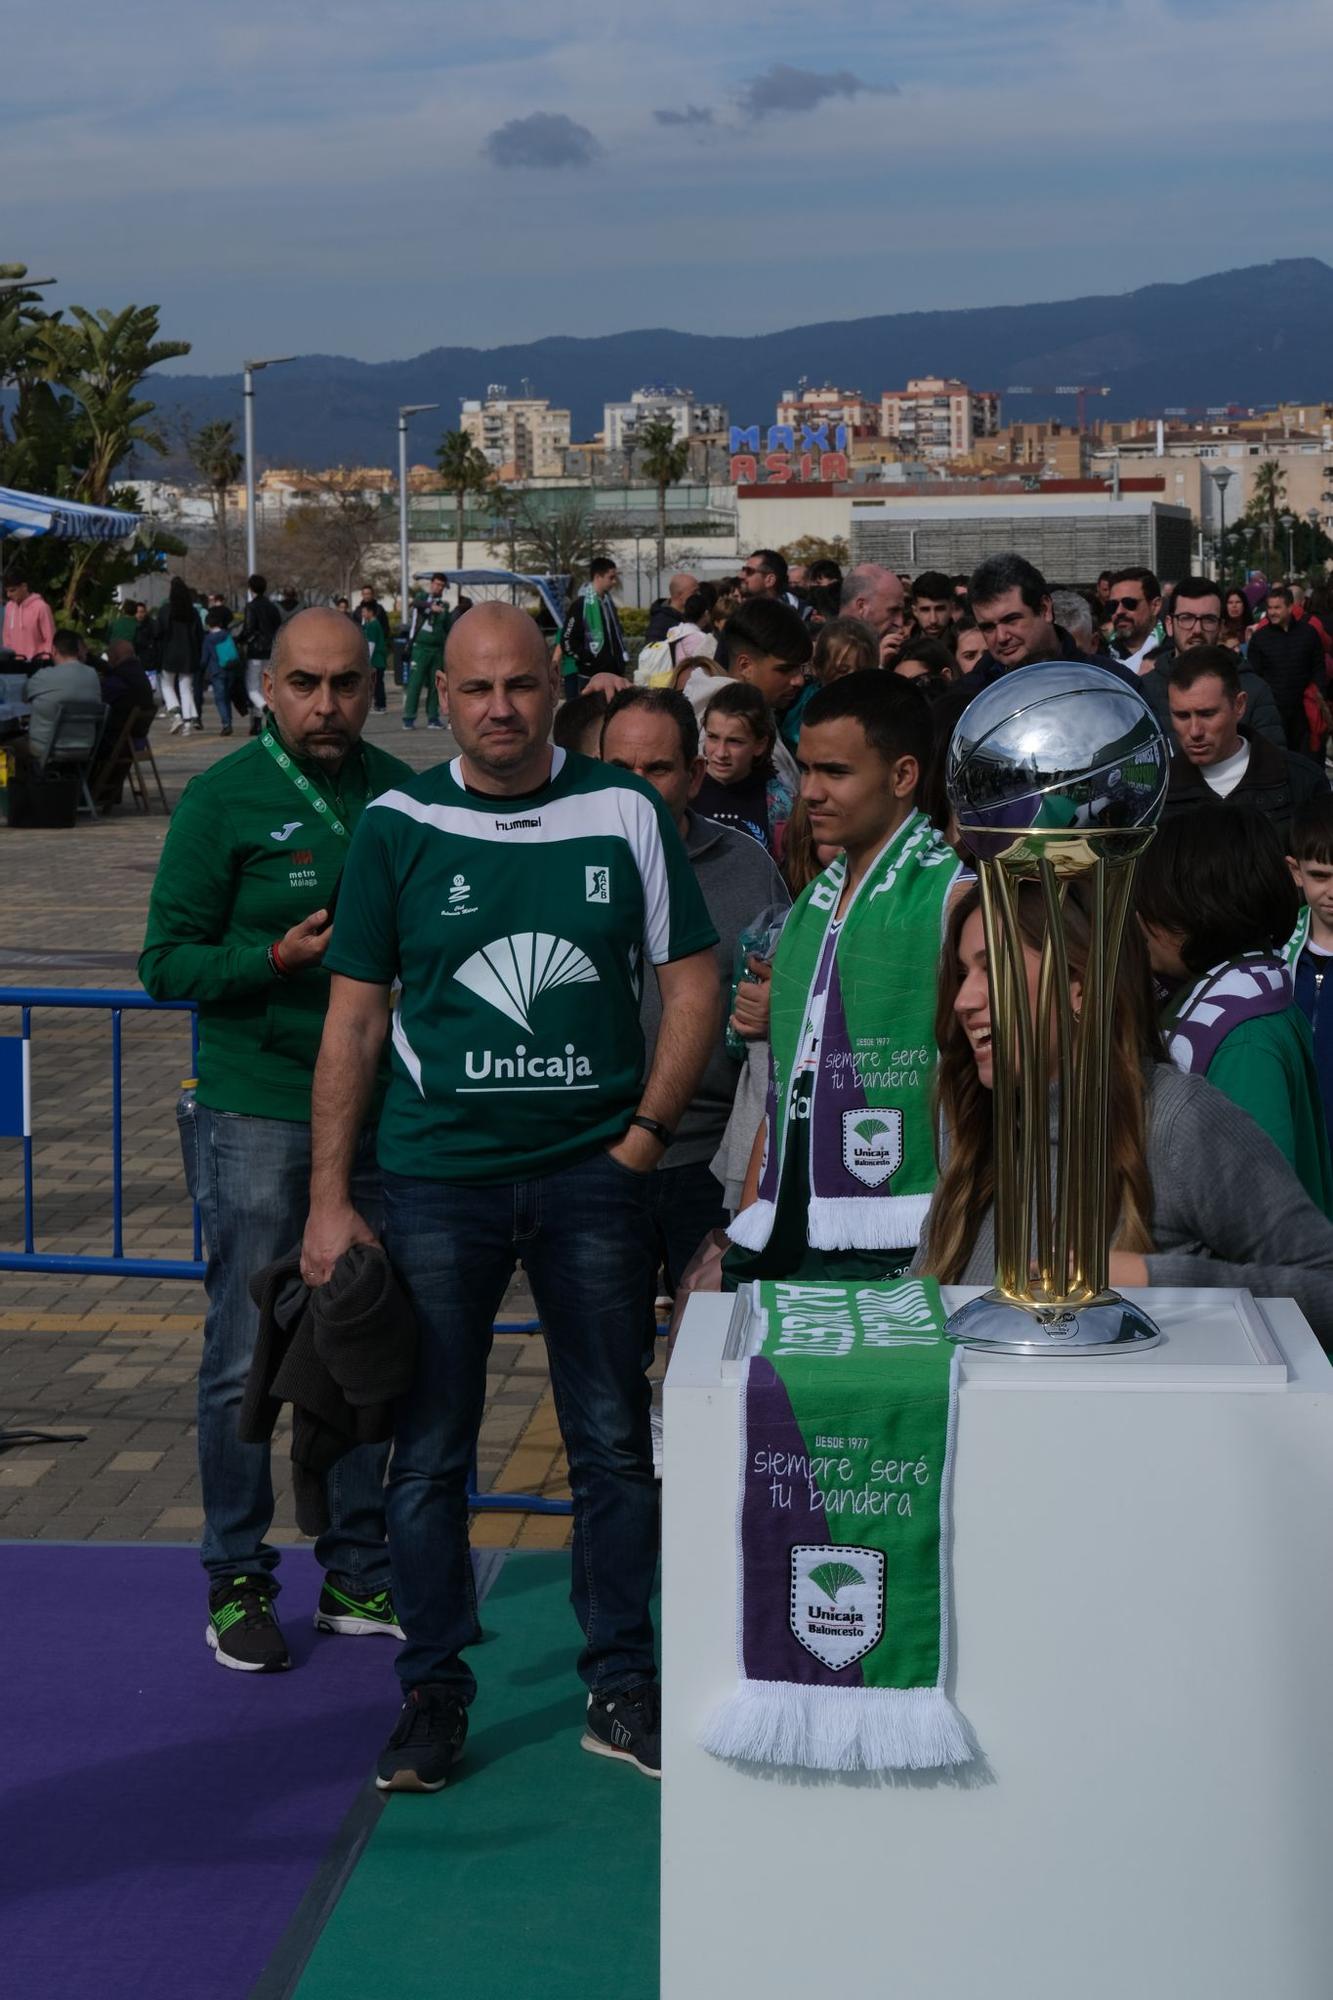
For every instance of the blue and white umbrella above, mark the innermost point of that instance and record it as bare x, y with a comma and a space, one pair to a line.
24, 515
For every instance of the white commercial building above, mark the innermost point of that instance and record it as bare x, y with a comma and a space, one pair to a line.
1071, 537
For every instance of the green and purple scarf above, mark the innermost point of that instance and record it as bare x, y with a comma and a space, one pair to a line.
867, 1120
847, 1433
600, 624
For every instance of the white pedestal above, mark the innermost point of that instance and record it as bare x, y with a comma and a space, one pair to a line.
1143, 1645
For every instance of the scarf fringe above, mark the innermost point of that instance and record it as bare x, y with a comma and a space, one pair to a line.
856, 1222
839, 1729
751, 1227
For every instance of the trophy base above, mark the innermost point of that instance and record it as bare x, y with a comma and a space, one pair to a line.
1004, 1327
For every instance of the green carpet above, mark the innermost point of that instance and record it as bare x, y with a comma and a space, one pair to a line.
535, 1873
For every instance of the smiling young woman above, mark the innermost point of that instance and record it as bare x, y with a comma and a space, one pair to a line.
1197, 1194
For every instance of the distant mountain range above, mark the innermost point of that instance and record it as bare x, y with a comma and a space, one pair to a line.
1256, 335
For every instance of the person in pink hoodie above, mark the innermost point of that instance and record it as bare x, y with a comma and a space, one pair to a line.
29, 628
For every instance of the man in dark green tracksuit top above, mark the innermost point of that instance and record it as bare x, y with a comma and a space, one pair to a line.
238, 921
426, 636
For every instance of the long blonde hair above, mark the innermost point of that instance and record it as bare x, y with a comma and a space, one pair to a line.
965, 1108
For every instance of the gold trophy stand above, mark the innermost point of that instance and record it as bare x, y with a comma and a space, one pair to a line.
1052, 1228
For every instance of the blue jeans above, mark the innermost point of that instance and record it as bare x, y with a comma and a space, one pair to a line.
584, 1238
251, 1178
220, 682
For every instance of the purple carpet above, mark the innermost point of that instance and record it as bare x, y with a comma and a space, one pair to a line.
160, 1818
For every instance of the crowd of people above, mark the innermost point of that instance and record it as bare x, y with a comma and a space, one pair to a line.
610, 993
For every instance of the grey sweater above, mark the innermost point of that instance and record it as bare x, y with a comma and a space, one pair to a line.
738, 880
1227, 1209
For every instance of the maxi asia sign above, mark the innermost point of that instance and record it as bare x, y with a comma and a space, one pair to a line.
786, 462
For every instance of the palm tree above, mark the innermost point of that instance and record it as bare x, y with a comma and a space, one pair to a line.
213, 454
504, 505
466, 471
101, 359
1268, 496
664, 461
38, 412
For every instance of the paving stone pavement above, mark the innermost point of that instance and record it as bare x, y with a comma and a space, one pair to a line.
115, 1357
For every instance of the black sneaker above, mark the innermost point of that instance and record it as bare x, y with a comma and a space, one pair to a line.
627, 1725
426, 1743
241, 1627
342, 1610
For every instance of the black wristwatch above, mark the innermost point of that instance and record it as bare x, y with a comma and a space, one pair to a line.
659, 1131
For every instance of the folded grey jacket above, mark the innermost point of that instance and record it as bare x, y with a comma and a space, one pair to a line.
1227, 1209
341, 1355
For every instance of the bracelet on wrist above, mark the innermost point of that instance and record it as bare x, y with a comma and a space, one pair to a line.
275, 964
662, 1133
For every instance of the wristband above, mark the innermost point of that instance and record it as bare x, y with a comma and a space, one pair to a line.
659, 1131
275, 964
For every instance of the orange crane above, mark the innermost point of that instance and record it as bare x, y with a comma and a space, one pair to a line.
1080, 389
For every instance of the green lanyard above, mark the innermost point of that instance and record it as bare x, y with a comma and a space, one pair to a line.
303, 785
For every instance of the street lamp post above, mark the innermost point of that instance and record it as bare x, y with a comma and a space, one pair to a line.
250, 370
1289, 522
1221, 477
405, 410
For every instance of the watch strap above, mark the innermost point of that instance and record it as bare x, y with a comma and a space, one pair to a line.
655, 1126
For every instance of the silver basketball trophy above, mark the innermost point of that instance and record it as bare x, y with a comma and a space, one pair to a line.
1055, 773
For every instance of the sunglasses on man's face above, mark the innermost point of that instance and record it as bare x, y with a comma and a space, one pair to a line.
1128, 603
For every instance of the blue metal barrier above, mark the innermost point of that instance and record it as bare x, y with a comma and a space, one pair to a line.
117, 1265
117, 1002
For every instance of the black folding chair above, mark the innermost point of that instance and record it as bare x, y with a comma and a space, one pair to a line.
122, 761
73, 746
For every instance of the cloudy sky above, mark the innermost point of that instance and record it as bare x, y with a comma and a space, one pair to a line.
313, 175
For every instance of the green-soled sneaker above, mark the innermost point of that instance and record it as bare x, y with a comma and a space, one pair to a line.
341, 1610
242, 1629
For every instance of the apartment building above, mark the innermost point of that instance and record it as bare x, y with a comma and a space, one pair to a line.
1049, 448
936, 416
1189, 462
831, 406
521, 436
688, 418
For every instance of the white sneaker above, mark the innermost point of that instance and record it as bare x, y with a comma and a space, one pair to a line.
177, 724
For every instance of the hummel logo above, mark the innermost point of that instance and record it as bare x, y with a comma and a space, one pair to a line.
286, 832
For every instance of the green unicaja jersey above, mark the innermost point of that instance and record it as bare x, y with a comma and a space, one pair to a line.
515, 930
